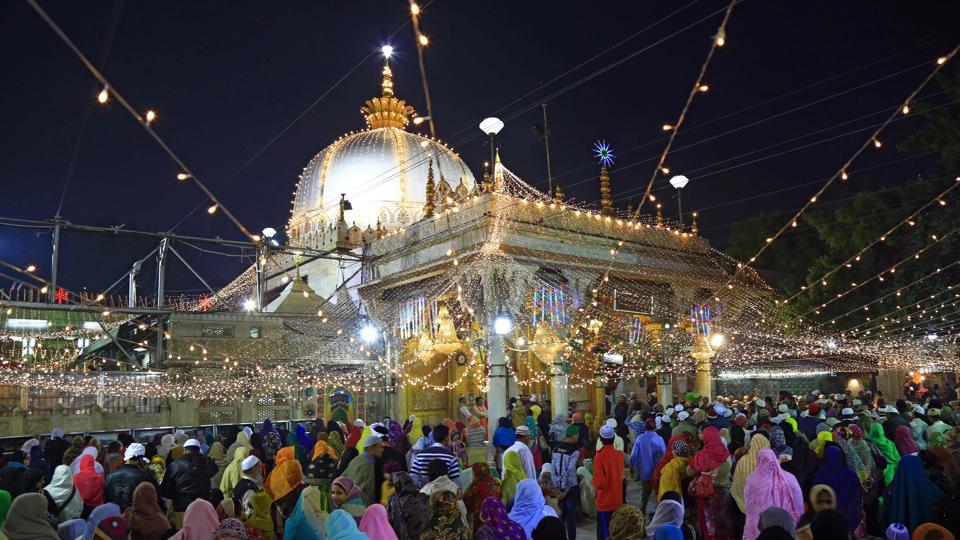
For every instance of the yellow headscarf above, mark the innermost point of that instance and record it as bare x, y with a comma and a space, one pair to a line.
416, 427
233, 473
672, 476
793, 422
514, 473
284, 454
320, 448
744, 467
283, 479
261, 514
820, 442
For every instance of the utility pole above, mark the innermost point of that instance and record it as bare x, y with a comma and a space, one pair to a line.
132, 285
162, 271
54, 260
546, 145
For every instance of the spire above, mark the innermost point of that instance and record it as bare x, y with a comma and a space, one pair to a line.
606, 201
487, 181
659, 215
630, 207
386, 110
558, 194
429, 206
387, 84
693, 226
498, 183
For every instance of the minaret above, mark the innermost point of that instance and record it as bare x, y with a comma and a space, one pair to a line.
558, 194
498, 183
429, 207
693, 226
659, 215
487, 181
630, 208
606, 201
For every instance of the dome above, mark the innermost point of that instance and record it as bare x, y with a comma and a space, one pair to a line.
382, 171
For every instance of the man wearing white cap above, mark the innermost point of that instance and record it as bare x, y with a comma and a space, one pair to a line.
684, 424
919, 428
361, 468
120, 483
522, 448
617, 440
250, 482
188, 479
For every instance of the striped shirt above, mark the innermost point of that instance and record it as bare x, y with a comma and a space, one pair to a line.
418, 469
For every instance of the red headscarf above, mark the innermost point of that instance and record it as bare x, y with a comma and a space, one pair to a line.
713, 453
354, 437
903, 438
89, 483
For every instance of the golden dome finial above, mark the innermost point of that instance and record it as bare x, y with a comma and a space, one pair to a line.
386, 110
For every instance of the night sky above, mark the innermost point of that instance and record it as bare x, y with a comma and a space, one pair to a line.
226, 77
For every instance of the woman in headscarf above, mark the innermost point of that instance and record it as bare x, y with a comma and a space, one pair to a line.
37, 461
145, 520
949, 465
778, 517
166, 444
903, 439
845, 484
504, 436
64, 494
347, 496
234, 471
270, 440
243, 441
744, 467
627, 523
713, 460
496, 523
484, 485
513, 474
408, 509
89, 483
284, 486
308, 519
932, 531
219, 456
299, 451
769, 485
588, 493
199, 521
257, 514
376, 524
674, 473
26, 519
97, 516
778, 442
669, 512
158, 467
850, 457
88, 451
800, 465
73, 451
5, 501
737, 437
887, 449
829, 525
529, 506
341, 526
668, 456
446, 521
303, 439
335, 440
230, 529
911, 497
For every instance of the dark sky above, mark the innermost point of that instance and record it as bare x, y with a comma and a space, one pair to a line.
226, 77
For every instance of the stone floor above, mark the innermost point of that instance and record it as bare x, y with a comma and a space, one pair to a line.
587, 528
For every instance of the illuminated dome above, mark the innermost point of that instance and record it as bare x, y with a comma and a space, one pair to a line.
381, 170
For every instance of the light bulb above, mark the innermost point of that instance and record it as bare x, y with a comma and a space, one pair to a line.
424, 40
151, 116
212, 209
103, 96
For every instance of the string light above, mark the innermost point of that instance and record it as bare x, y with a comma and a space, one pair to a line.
103, 96
150, 116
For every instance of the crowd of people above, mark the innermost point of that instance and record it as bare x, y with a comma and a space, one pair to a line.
811, 467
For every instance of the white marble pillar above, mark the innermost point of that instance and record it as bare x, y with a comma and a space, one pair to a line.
497, 383
559, 394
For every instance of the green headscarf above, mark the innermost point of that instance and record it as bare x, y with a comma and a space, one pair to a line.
5, 501
887, 449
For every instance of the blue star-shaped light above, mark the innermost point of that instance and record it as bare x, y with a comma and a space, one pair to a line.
603, 152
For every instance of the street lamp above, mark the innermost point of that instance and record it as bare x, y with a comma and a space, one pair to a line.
491, 126
678, 182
